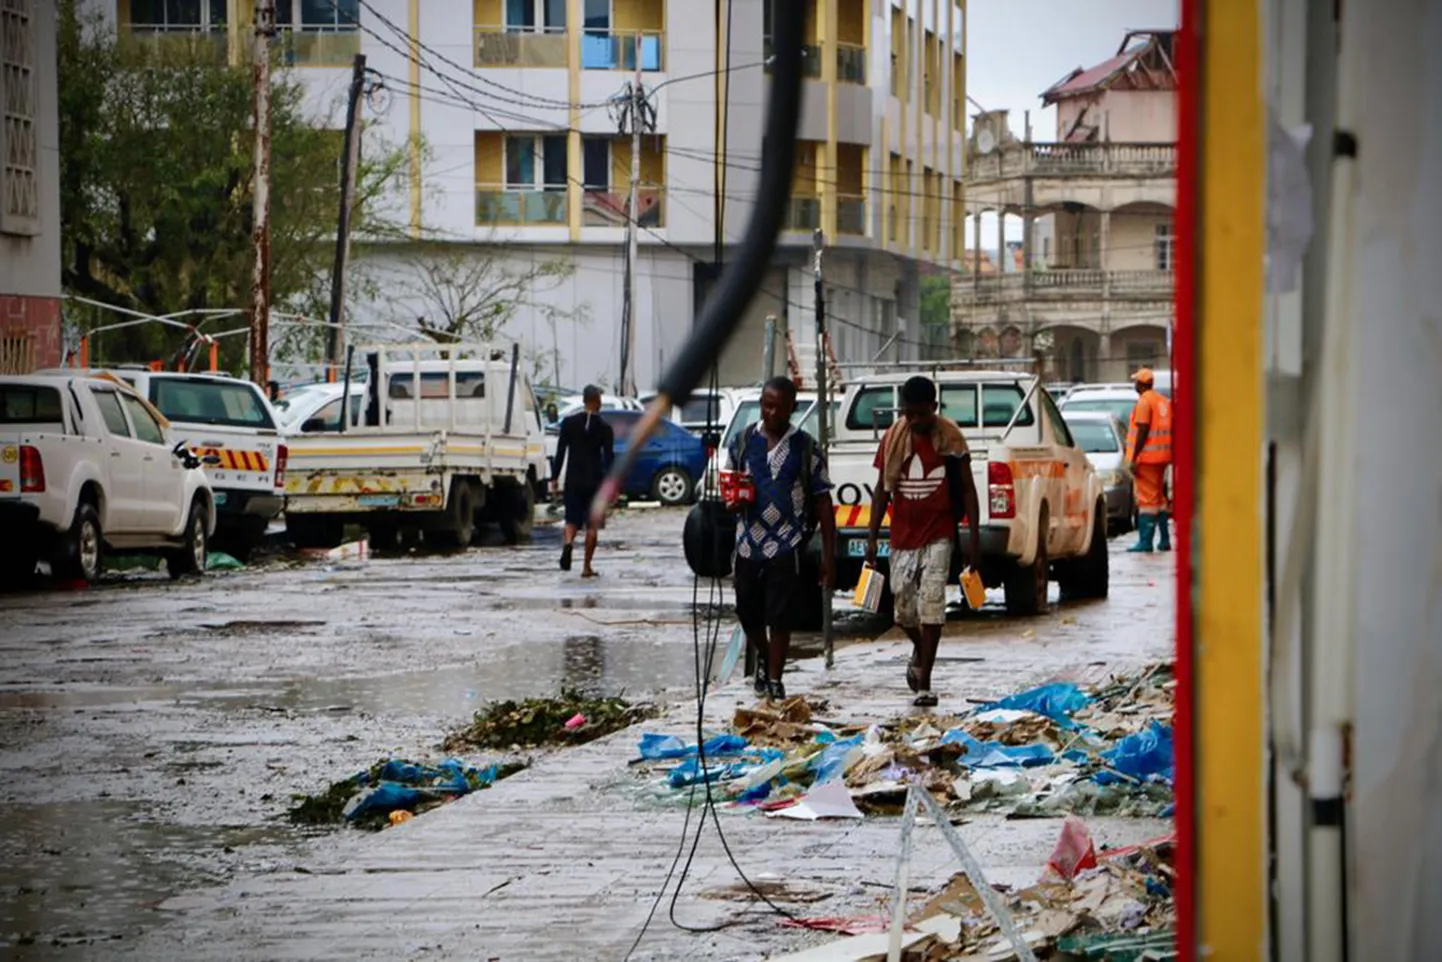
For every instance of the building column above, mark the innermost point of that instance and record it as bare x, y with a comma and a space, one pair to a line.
1104, 357
976, 250
575, 159
1001, 241
827, 175
1103, 261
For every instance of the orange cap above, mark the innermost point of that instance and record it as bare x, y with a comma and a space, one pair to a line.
1144, 376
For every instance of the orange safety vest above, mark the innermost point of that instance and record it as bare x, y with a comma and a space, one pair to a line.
1158, 449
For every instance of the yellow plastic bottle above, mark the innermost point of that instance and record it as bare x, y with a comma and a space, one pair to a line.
972, 588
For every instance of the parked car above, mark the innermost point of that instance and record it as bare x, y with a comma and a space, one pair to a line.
316, 407
1104, 440
669, 467
1114, 399
610, 404
88, 467
232, 420
706, 409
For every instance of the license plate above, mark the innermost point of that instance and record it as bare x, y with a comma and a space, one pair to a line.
379, 500
220, 497
857, 549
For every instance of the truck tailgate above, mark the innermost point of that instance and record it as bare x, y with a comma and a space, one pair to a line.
10, 465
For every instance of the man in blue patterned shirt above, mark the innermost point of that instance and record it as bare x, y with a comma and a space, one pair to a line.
792, 496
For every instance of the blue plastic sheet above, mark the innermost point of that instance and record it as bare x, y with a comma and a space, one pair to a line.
980, 754
1146, 755
1056, 701
654, 747
689, 771
403, 785
829, 762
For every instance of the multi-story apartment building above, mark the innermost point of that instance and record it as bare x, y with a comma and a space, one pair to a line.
524, 161
29, 188
1094, 292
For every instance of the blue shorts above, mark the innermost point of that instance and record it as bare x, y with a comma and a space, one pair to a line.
578, 505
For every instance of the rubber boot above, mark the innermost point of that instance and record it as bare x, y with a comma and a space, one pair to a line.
1164, 533
1146, 531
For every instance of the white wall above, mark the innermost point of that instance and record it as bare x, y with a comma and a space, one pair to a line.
30, 264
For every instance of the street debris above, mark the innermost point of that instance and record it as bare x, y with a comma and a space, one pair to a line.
394, 791
1040, 753
539, 722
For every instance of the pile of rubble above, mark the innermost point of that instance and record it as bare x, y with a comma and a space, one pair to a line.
1044, 752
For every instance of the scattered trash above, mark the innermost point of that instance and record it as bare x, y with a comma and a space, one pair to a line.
220, 561
376, 797
545, 721
1074, 850
350, 551
575, 721
400, 816
828, 799
1056, 701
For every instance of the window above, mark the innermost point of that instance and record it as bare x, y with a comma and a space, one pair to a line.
1166, 246
958, 402
329, 416
1094, 437
146, 427
437, 384
873, 408
535, 162
206, 401
180, 14
317, 14
22, 404
597, 14
1058, 423
111, 411
999, 403
596, 163
19, 148
1120, 407
538, 15
622, 422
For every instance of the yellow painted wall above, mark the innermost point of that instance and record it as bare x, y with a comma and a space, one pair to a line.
958, 91
931, 85
487, 13
122, 12
958, 220
638, 14
851, 22
909, 208
490, 157
653, 162
898, 50
895, 201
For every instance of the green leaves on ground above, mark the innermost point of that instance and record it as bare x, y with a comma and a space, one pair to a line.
541, 721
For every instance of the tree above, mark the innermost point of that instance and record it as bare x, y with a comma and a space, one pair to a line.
156, 178
936, 310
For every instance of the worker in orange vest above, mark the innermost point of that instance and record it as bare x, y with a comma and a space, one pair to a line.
1149, 455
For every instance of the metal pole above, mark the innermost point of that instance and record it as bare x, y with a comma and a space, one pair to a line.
768, 350
628, 308
350, 158
823, 421
260, 195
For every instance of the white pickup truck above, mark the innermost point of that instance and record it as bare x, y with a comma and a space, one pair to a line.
450, 435
88, 467
1043, 508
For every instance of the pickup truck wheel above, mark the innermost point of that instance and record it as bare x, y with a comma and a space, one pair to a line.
461, 525
672, 486
1026, 587
708, 539
1090, 575
82, 548
517, 512
189, 558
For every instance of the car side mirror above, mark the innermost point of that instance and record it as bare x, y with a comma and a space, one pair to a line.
188, 458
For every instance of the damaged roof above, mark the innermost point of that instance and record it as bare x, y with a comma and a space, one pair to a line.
1147, 65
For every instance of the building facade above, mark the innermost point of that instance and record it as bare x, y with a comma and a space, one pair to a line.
523, 160
30, 335
1093, 296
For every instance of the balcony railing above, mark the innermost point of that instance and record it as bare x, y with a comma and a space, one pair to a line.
851, 215
498, 46
1062, 284
608, 208
162, 40
512, 206
810, 58
616, 49
803, 213
1070, 160
318, 47
851, 63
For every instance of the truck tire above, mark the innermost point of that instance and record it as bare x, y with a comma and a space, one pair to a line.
313, 531
1090, 575
189, 558
516, 511
1026, 587
240, 537
708, 540
82, 549
460, 526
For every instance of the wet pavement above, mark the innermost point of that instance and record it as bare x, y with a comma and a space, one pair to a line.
152, 735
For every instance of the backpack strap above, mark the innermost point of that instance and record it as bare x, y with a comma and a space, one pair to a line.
808, 452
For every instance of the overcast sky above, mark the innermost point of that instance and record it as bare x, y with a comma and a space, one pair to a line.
1018, 48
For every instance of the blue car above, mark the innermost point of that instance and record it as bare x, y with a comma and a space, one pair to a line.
670, 466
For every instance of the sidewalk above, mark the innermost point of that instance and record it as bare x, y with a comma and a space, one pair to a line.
563, 861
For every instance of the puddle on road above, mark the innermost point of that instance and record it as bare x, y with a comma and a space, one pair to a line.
94, 871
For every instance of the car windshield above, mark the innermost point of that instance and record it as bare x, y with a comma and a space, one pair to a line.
27, 404
1094, 438
204, 401
1121, 407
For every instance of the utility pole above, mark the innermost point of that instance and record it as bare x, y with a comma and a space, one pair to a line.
260, 196
628, 303
350, 159
768, 350
823, 420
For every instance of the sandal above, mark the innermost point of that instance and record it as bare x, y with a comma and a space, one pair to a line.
924, 699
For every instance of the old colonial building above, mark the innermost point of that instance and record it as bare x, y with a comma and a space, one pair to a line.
1094, 293
29, 188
